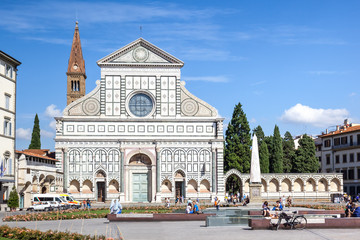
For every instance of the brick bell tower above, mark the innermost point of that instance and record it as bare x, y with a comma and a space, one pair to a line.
76, 70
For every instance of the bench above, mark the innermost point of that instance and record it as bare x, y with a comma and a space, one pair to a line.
265, 223
157, 217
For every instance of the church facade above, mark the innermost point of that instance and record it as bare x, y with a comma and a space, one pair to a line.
140, 135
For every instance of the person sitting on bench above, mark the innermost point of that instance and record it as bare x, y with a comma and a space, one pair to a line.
356, 212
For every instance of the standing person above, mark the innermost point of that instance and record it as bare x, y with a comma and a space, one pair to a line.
88, 203
168, 202
84, 203
289, 201
217, 203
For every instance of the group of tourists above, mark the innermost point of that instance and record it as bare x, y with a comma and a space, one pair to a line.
352, 209
115, 207
86, 204
179, 199
279, 205
193, 207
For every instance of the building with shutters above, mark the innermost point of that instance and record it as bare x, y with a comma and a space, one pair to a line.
339, 152
8, 79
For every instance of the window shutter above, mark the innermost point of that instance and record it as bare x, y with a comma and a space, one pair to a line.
9, 128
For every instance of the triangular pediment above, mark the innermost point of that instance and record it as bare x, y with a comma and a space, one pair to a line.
140, 52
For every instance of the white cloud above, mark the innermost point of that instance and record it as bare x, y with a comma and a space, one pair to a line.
52, 111
352, 94
317, 117
52, 124
323, 72
258, 83
216, 79
23, 133
252, 120
46, 134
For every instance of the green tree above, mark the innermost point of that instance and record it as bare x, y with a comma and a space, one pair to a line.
13, 201
276, 159
259, 134
306, 161
263, 149
238, 142
289, 152
35, 137
264, 157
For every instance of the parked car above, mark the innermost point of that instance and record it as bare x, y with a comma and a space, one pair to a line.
70, 199
40, 206
51, 198
56, 205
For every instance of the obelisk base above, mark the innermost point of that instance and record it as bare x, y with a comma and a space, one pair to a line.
255, 193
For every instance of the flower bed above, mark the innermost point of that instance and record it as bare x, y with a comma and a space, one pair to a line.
320, 206
23, 233
87, 213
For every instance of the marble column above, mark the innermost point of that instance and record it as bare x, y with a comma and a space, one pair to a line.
213, 174
158, 178
65, 178
122, 178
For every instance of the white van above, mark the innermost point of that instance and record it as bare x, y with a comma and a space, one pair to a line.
37, 198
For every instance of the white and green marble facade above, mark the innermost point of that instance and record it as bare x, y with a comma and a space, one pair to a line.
100, 140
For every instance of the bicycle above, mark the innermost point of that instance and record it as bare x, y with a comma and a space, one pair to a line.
294, 222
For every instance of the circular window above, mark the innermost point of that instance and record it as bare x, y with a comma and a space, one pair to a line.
140, 105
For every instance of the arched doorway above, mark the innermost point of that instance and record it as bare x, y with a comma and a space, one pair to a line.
179, 178
234, 185
140, 167
100, 179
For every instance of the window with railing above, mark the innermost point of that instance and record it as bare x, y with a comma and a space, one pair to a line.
344, 172
337, 159
351, 174
336, 141
344, 158
328, 159
351, 157
344, 140
327, 143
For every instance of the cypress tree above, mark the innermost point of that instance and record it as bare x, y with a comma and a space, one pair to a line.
276, 160
13, 201
238, 142
264, 157
289, 152
35, 137
259, 134
306, 160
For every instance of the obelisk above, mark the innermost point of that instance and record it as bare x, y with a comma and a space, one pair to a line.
255, 178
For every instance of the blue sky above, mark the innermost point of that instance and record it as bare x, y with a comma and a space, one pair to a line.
290, 63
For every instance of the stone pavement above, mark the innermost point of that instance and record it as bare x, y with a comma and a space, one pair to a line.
182, 230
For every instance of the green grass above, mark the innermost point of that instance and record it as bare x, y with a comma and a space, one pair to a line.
2, 238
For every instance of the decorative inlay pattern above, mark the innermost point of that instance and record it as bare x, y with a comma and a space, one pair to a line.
189, 107
91, 106
140, 54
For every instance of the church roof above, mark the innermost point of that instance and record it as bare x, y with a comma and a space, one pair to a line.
76, 57
140, 53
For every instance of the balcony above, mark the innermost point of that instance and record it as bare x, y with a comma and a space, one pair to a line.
346, 146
